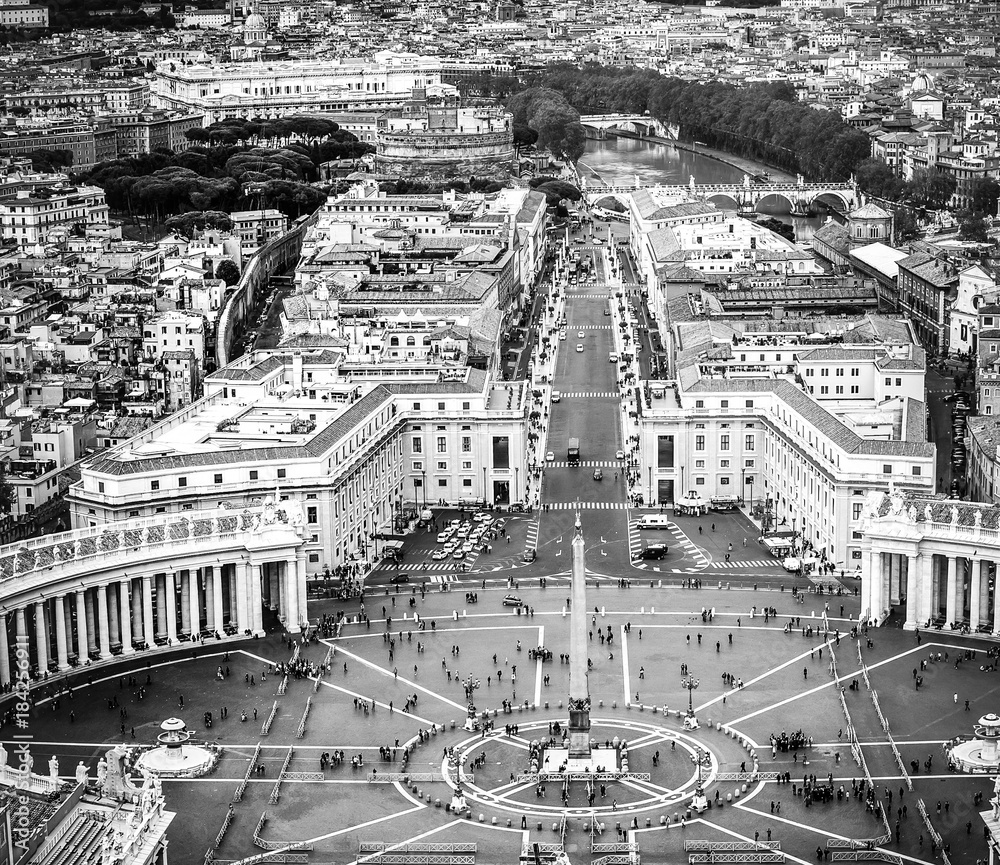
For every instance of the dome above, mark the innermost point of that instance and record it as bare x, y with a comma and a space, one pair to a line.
254, 22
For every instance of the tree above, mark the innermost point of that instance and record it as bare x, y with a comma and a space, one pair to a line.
228, 272
985, 193
905, 225
190, 224
931, 188
973, 228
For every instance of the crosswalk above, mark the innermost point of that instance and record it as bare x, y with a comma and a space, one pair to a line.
585, 464
745, 563
636, 542
572, 506
579, 327
591, 394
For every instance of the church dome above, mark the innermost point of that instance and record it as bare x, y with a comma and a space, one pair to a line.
255, 22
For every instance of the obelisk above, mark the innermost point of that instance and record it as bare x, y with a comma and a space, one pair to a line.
579, 692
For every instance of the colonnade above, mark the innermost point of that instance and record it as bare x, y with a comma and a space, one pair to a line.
947, 588
58, 628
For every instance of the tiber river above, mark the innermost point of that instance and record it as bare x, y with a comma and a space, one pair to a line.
625, 161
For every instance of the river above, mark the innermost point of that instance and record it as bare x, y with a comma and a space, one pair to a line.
627, 161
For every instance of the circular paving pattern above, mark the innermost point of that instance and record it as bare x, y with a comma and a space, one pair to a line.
672, 781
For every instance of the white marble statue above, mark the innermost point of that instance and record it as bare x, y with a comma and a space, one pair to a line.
979, 519
54, 768
954, 515
912, 514
102, 773
82, 775
928, 514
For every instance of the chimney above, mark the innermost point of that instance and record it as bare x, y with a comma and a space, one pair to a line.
297, 370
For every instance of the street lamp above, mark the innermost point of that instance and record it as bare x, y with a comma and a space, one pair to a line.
423, 486
689, 683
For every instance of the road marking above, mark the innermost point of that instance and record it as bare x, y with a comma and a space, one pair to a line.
538, 667
626, 681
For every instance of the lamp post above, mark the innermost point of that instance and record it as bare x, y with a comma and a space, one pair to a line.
689, 683
743, 486
423, 486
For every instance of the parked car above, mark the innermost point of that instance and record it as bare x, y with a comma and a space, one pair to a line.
512, 601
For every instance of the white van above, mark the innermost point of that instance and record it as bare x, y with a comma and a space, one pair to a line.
654, 521
613, 358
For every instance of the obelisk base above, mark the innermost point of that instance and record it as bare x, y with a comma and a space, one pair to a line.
579, 733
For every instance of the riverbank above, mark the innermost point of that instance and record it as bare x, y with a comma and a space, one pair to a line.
746, 165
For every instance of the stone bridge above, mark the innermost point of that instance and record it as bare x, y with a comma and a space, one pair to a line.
598, 125
747, 196
93, 594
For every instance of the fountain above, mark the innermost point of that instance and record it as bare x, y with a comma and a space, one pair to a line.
174, 756
978, 756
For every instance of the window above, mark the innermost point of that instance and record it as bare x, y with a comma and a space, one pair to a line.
699, 443
466, 406
254, 474
839, 389
855, 372
218, 478
823, 373
749, 443
466, 444
442, 445
749, 403
467, 464
466, 482
418, 466
442, 466
699, 464
699, 482
749, 463
665, 452
856, 510
314, 558
840, 371
725, 403
418, 445
855, 389
182, 482
440, 406
281, 473
723, 464
916, 471
724, 482
887, 469
416, 406
986, 392
442, 482
699, 403
989, 409
824, 389
899, 382
312, 514
888, 382
154, 486
501, 452
724, 443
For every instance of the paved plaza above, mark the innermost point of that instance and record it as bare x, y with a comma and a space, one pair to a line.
787, 687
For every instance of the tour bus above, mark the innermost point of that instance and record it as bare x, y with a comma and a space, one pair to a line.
723, 503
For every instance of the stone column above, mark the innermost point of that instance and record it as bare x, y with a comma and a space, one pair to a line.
113, 608
161, 606
274, 581
951, 591
82, 637
105, 625
874, 610
912, 583
148, 632
185, 579
125, 606
974, 610
242, 582
194, 600
234, 594
984, 591
210, 619
4, 652
293, 576
62, 659
256, 601
217, 599
41, 637
68, 622
135, 590
996, 604
170, 603
88, 597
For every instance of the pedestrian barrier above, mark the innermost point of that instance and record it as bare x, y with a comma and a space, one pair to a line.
266, 728
225, 826
276, 845
728, 846
743, 856
276, 790
241, 789
746, 777
283, 686
305, 716
417, 853
376, 777
535, 777
866, 856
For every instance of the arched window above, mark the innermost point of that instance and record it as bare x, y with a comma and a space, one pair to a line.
410, 341
427, 340
394, 342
